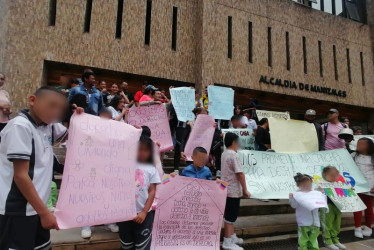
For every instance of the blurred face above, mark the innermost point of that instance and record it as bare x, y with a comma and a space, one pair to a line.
125, 86
114, 89
48, 106
2, 80
235, 145
121, 104
103, 85
143, 153
332, 175
157, 96
332, 116
106, 115
90, 80
358, 132
236, 124
306, 185
310, 118
363, 147
203, 112
346, 121
199, 159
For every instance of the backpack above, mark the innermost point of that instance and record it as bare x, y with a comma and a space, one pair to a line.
327, 124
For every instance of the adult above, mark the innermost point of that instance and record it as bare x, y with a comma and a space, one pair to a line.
125, 91
248, 121
262, 137
331, 131
357, 130
102, 87
345, 120
117, 108
164, 98
5, 105
139, 94
148, 94
310, 116
93, 95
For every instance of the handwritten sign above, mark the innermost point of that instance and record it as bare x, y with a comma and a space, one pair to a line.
311, 200
292, 136
267, 114
246, 138
270, 175
353, 144
201, 135
221, 102
183, 100
189, 214
97, 187
156, 118
343, 196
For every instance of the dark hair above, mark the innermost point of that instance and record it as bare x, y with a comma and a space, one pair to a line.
149, 91
230, 138
101, 81
236, 118
74, 81
199, 150
344, 118
371, 146
115, 101
105, 110
327, 169
43, 89
114, 84
263, 121
299, 178
249, 112
356, 128
145, 140
145, 83
87, 75
146, 131
80, 100
197, 110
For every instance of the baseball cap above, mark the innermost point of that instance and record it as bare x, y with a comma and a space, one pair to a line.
333, 111
151, 87
310, 112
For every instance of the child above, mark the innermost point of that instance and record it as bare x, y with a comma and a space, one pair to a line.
26, 159
137, 234
232, 173
307, 221
331, 220
364, 158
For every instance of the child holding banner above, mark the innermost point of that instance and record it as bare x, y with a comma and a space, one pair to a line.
137, 234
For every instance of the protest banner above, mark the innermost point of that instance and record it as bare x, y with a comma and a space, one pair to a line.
98, 181
221, 102
156, 118
311, 200
343, 196
292, 136
246, 138
267, 114
353, 144
189, 214
270, 175
183, 100
201, 135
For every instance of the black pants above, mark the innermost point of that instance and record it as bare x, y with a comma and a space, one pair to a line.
136, 236
217, 153
181, 136
23, 232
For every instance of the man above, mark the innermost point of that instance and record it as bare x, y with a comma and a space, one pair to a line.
125, 91
93, 95
139, 94
263, 140
248, 121
310, 116
102, 86
331, 131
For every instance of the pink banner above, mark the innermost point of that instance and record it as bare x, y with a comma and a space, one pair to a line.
201, 135
98, 185
156, 118
189, 214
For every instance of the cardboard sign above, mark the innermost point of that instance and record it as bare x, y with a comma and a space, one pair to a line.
97, 187
201, 135
189, 214
246, 138
292, 136
221, 102
311, 200
183, 100
267, 114
156, 118
270, 175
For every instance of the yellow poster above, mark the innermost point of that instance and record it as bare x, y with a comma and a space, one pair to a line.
292, 136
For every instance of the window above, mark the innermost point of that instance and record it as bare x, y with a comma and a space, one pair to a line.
320, 58
270, 49
335, 63
87, 16
148, 17
119, 19
250, 42
362, 68
349, 67
288, 59
305, 58
229, 37
52, 12
174, 29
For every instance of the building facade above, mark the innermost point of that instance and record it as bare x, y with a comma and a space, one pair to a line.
286, 55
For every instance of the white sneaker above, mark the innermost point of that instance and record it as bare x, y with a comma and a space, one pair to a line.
367, 231
113, 228
340, 245
236, 240
332, 247
229, 245
358, 232
86, 233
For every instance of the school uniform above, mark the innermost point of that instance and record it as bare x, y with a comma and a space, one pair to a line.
23, 139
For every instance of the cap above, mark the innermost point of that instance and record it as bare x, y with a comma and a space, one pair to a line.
345, 133
333, 111
310, 112
151, 87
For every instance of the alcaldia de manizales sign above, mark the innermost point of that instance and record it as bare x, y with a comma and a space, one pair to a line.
302, 86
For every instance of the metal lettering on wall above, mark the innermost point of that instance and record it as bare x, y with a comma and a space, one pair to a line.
302, 86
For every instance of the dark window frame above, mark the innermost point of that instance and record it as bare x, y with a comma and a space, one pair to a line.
87, 16
174, 28
120, 5
250, 42
305, 56
229, 37
270, 48
288, 56
52, 12
148, 23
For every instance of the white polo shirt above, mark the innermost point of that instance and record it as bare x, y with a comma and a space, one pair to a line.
23, 139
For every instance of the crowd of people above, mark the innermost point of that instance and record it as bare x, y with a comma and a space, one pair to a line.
26, 156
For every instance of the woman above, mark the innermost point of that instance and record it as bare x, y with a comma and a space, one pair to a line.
5, 106
262, 137
117, 108
114, 90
